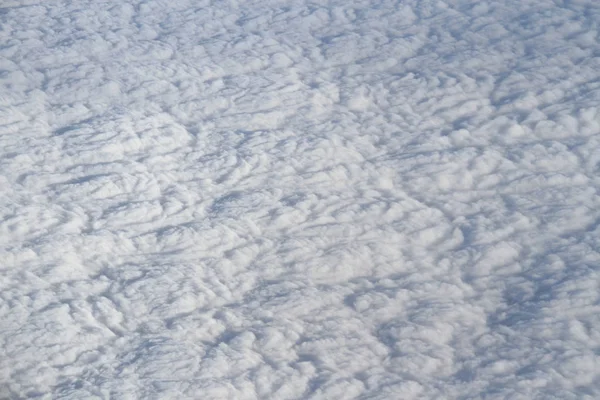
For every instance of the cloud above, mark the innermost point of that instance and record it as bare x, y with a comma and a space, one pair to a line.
269, 200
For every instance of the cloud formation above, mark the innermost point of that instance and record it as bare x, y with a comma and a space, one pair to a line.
284, 200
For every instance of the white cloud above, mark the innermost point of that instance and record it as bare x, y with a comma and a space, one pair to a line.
273, 200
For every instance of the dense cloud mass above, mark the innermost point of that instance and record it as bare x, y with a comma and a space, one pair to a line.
275, 199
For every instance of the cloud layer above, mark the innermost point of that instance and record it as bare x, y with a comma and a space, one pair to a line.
282, 200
